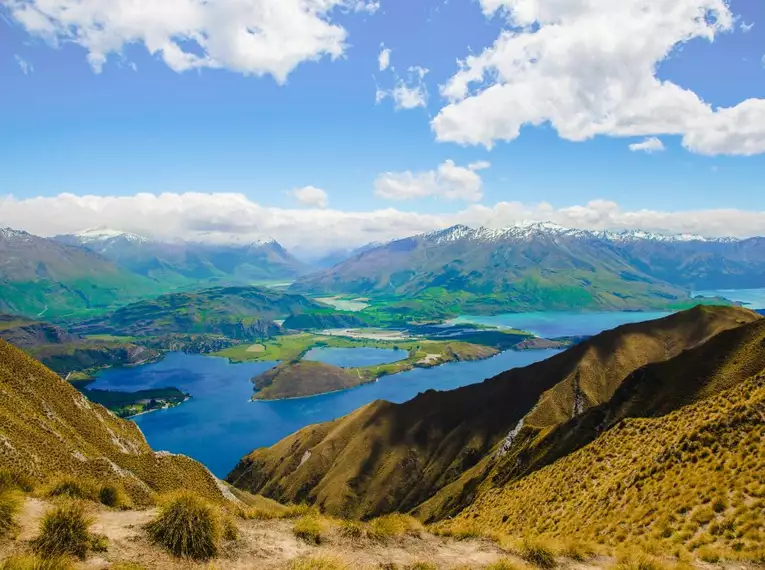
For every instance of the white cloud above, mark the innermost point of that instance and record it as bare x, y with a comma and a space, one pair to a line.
248, 36
234, 217
449, 181
746, 27
408, 93
588, 68
384, 59
26, 67
649, 145
311, 196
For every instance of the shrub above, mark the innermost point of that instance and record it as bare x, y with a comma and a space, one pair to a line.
64, 530
638, 561
230, 530
10, 504
13, 481
310, 529
187, 526
577, 551
318, 563
393, 526
353, 530
73, 488
32, 562
422, 566
537, 553
114, 496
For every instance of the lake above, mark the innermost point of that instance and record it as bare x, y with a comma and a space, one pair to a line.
220, 424
355, 357
557, 324
751, 298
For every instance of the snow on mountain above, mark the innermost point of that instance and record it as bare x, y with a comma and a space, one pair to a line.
106, 234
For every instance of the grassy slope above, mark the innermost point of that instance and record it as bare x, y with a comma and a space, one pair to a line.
387, 457
48, 427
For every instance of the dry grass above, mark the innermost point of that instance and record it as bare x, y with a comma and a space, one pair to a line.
393, 526
539, 553
65, 530
114, 496
32, 562
187, 527
72, 487
311, 529
10, 504
319, 563
15, 481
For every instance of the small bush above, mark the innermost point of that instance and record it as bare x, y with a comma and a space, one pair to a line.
503, 565
114, 496
318, 563
126, 566
353, 530
188, 527
73, 488
537, 553
310, 529
393, 526
10, 505
13, 481
577, 551
230, 530
638, 561
64, 530
422, 566
32, 562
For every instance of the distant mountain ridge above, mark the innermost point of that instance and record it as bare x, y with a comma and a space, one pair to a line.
183, 261
544, 266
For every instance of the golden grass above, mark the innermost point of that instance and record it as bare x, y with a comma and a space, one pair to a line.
187, 527
324, 562
311, 529
33, 562
539, 553
10, 505
15, 481
65, 530
393, 526
71, 487
114, 496
504, 564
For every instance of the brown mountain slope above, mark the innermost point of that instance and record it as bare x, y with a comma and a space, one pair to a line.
692, 477
387, 457
47, 427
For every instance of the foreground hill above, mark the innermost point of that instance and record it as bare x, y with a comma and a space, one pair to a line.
185, 262
433, 452
538, 267
234, 312
39, 276
48, 428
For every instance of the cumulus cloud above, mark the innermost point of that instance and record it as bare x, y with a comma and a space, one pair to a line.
248, 36
311, 196
589, 69
384, 59
649, 145
26, 67
449, 181
236, 218
408, 93
746, 27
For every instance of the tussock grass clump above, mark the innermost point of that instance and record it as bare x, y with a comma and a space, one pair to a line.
15, 481
393, 526
504, 564
32, 562
266, 511
72, 487
65, 530
538, 553
114, 496
634, 560
318, 563
421, 565
577, 551
127, 566
10, 505
310, 529
229, 529
187, 527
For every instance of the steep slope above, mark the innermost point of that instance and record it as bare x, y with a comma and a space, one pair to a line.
675, 457
27, 333
184, 262
526, 268
235, 312
48, 427
40, 276
387, 457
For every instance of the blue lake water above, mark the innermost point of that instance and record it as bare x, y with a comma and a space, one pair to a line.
220, 424
355, 357
557, 324
751, 298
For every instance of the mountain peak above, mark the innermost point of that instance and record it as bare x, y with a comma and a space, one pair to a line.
102, 233
10, 233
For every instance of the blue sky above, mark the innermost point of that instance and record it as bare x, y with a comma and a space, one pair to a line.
138, 126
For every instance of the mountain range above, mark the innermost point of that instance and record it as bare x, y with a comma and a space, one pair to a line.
649, 431
543, 266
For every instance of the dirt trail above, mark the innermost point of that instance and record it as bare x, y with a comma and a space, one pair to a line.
261, 544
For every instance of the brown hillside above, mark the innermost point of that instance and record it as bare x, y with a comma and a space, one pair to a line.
387, 457
47, 427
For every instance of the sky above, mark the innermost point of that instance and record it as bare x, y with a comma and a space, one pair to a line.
331, 123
